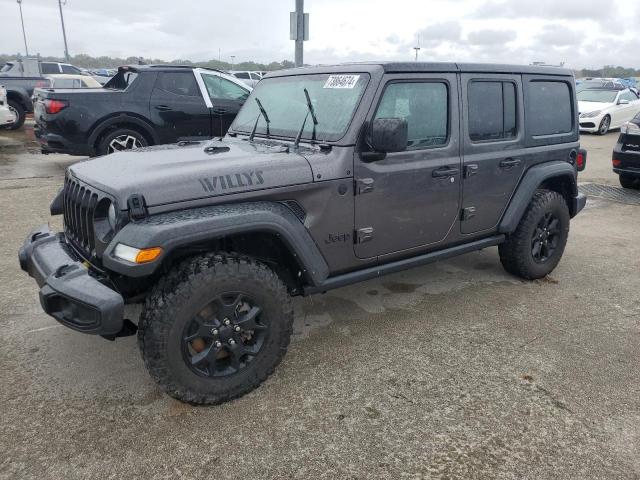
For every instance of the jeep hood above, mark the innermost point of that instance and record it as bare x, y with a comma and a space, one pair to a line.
187, 171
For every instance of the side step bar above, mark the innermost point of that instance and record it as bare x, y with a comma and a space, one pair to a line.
400, 265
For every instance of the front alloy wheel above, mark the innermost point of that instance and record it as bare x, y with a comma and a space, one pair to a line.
225, 336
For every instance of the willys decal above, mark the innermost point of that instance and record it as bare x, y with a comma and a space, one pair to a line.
232, 181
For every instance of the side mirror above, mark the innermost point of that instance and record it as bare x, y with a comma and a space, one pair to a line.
389, 135
623, 101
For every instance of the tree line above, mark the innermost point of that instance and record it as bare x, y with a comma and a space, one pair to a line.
89, 62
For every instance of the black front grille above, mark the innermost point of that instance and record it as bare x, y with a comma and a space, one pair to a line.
79, 205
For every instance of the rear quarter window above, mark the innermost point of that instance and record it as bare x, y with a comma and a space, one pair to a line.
550, 108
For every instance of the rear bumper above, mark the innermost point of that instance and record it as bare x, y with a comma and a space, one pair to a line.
67, 291
631, 172
53, 143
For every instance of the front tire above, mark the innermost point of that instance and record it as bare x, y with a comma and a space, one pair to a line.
536, 246
121, 139
215, 328
604, 126
628, 181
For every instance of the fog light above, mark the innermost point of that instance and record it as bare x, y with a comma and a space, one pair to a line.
616, 162
137, 255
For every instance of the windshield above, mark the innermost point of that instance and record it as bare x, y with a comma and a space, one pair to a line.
602, 96
334, 99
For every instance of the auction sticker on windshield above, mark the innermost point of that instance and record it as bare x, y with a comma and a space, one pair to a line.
341, 81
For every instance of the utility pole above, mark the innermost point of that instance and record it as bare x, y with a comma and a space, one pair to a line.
233, 57
299, 30
64, 33
24, 35
417, 49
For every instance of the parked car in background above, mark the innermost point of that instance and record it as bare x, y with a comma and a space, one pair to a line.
31, 66
249, 78
603, 109
626, 154
19, 93
73, 81
7, 117
141, 105
599, 83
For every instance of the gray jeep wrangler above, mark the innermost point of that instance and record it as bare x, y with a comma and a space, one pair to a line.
328, 176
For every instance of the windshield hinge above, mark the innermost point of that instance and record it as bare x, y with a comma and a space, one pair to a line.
137, 206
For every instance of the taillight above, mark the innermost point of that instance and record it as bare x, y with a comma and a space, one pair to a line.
616, 162
55, 106
581, 160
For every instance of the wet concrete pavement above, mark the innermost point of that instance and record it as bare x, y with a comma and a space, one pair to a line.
454, 370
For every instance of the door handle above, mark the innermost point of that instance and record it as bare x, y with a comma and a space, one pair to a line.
220, 111
509, 163
163, 108
445, 172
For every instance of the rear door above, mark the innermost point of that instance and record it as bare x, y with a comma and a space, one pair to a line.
177, 108
492, 141
411, 199
226, 98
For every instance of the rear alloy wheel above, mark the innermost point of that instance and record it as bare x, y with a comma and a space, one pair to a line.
121, 139
628, 181
605, 124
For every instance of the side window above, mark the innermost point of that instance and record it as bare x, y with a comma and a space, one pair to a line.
492, 110
243, 75
550, 108
628, 96
179, 83
424, 105
223, 89
70, 69
49, 68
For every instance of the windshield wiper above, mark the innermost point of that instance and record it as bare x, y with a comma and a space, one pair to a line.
263, 113
310, 111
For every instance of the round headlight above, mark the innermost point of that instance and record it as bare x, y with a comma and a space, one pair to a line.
111, 216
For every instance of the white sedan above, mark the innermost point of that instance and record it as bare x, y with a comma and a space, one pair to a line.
7, 116
603, 109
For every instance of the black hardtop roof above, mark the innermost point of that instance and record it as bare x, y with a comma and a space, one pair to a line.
425, 67
163, 68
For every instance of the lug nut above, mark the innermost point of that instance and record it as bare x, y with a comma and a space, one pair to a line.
218, 344
227, 321
214, 331
237, 328
232, 341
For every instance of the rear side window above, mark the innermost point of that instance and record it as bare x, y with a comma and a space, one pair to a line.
492, 111
179, 84
549, 109
121, 80
70, 69
48, 68
244, 75
424, 106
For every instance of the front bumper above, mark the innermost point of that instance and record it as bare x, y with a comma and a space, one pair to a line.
6, 117
68, 292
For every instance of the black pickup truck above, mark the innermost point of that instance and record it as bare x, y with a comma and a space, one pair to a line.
140, 106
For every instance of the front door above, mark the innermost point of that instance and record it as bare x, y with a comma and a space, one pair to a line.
493, 152
410, 199
226, 99
177, 108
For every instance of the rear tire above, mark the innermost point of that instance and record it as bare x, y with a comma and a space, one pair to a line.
19, 112
628, 181
536, 246
121, 139
215, 328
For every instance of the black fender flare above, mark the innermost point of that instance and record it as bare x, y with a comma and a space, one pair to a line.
104, 124
21, 95
185, 227
531, 180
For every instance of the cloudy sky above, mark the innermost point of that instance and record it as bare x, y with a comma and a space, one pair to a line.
582, 33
